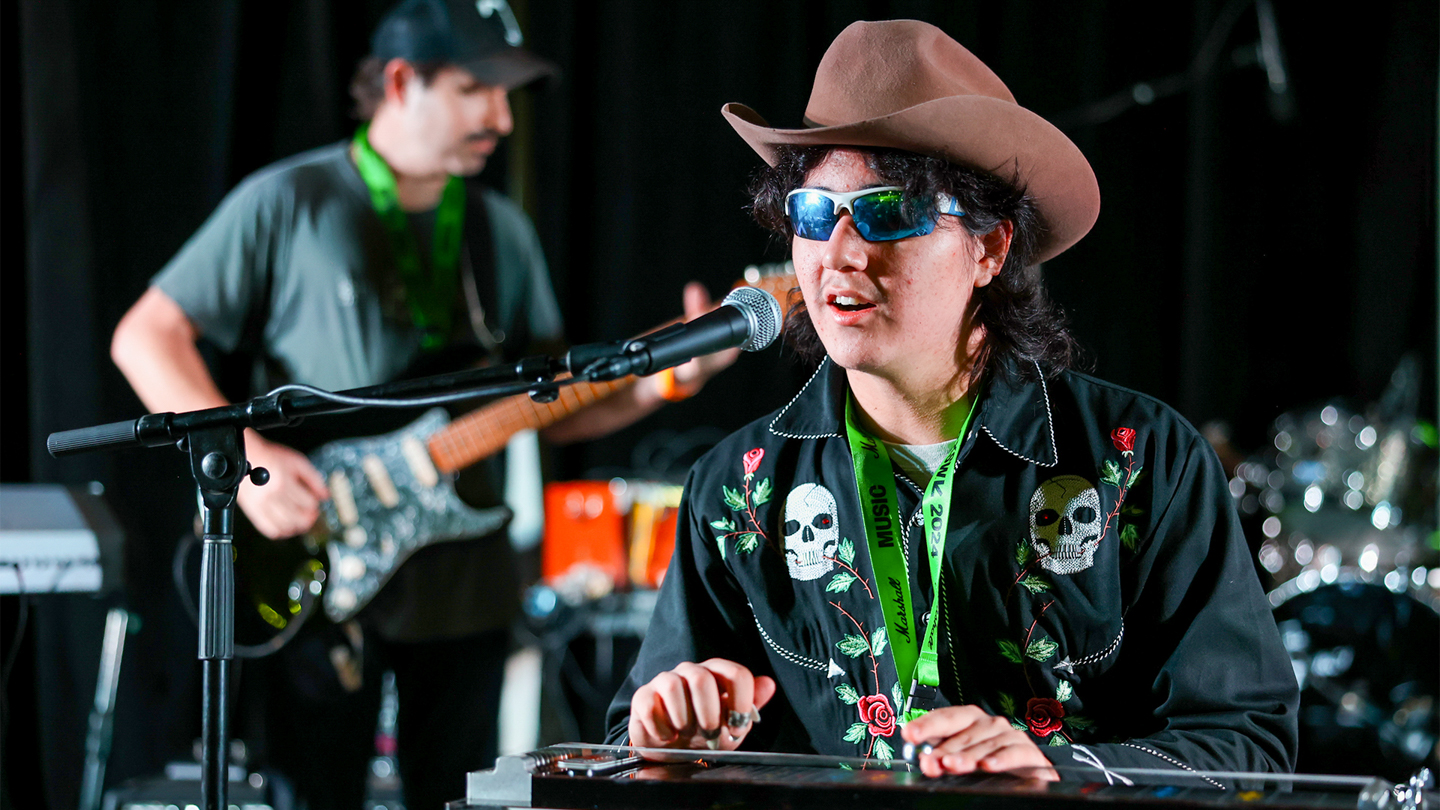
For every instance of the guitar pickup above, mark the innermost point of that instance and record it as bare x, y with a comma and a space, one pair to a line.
380, 481
418, 459
344, 499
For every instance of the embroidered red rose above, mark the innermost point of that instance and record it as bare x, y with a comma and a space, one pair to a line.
875, 710
1043, 715
752, 460
1124, 439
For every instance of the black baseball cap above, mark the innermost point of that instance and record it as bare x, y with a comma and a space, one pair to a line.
480, 36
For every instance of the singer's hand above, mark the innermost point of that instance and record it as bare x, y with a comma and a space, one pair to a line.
967, 739
692, 706
694, 374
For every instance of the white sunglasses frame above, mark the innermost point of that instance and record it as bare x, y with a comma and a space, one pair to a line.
844, 200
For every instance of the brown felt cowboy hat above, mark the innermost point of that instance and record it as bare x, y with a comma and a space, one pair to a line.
906, 85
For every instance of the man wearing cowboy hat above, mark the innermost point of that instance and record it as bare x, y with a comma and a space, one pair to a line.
949, 537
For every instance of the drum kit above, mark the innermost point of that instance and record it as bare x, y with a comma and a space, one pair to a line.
1341, 509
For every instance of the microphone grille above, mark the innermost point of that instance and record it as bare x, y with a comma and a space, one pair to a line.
761, 310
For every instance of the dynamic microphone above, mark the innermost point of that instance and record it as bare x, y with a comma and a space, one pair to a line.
748, 318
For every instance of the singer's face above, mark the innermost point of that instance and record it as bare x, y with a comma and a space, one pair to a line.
898, 310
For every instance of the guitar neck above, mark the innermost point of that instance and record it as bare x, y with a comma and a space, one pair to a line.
483, 432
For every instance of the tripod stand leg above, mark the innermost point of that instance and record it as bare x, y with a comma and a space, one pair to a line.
98, 735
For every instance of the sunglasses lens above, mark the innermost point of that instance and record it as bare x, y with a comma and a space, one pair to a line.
812, 215
881, 217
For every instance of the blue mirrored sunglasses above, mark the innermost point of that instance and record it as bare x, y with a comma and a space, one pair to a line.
879, 213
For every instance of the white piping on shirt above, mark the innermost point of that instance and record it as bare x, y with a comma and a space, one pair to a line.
1069, 666
794, 658
1177, 763
787, 407
1049, 423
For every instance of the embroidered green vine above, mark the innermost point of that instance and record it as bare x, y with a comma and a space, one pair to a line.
748, 537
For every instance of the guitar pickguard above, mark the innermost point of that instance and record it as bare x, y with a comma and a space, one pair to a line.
395, 511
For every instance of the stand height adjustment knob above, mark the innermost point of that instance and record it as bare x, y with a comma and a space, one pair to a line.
214, 465
259, 476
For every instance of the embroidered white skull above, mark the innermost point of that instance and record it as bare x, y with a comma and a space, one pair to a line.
812, 535
1065, 524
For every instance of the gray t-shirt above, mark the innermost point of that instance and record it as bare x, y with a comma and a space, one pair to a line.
919, 461
336, 318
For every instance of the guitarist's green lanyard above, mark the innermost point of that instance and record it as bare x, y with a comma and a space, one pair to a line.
431, 296
916, 667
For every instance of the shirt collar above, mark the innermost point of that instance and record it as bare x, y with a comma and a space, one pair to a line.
818, 411
1014, 414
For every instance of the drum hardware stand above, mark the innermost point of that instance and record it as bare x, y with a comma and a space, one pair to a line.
102, 712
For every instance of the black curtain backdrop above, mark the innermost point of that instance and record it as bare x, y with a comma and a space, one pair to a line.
1244, 265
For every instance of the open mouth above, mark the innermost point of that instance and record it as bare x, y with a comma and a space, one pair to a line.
848, 304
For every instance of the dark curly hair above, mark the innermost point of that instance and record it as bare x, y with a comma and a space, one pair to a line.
367, 86
1021, 322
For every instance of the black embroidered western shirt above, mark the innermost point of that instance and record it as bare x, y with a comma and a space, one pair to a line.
1097, 589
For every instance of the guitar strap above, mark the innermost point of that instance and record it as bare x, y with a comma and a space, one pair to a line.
480, 295
480, 282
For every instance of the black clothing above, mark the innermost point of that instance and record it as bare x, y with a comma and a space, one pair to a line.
1138, 632
323, 737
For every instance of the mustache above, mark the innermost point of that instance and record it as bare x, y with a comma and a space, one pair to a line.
483, 135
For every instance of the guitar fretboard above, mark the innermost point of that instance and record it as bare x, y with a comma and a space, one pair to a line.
483, 432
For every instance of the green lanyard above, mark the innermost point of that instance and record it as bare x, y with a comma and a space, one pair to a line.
884, 530
431, 298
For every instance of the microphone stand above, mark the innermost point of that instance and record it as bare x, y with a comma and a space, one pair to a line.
214, 440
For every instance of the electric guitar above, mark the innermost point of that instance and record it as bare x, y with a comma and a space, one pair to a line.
393, 494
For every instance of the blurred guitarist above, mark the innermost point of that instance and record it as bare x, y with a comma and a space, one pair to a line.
342, 267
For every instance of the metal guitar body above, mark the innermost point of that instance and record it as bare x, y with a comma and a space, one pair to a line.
388, 502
